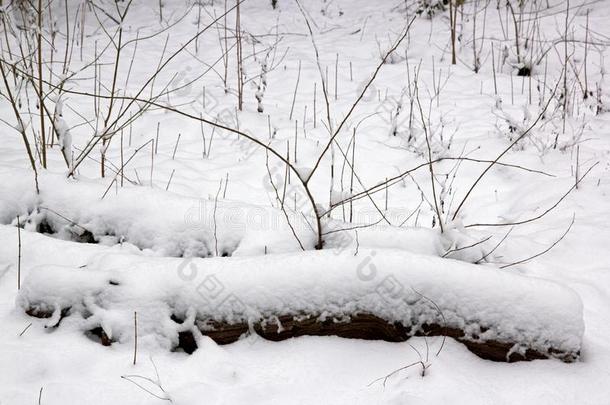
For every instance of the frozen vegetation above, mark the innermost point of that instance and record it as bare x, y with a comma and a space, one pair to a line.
322, 202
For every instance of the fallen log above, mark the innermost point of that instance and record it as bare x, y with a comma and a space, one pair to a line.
359, 326
497, 315
366, 327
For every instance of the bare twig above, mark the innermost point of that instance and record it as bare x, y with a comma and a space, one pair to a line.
18, 254
215, 225
135, 337
545, 250
513, 143
543, 213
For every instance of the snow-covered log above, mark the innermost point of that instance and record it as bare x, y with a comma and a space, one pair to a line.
174, 225
376, 294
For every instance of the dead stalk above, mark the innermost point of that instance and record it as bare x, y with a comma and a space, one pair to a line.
18, 254
135, 337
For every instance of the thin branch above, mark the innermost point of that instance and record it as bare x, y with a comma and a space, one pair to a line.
546, 211
545, 250
513, 143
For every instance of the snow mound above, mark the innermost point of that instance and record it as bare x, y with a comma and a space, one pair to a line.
173, 225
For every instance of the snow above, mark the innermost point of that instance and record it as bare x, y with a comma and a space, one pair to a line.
396, 286
175, 225
145, 233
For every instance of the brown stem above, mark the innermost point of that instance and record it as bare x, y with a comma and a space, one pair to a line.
40, 89
517, 139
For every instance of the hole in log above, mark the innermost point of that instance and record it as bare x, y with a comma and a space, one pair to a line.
45, 227
84, 236
186, 342
39, 312
524, 71
177, 319
98, 335
45, 313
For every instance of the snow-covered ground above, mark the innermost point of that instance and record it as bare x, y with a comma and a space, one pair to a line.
200, 192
